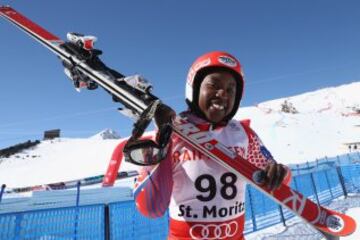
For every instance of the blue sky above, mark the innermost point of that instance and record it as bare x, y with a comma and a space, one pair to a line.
286, 47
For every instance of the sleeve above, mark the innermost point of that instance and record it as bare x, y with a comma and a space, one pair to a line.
153, 187
114, 165
259, 155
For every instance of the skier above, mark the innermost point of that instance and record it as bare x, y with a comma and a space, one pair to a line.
205, 200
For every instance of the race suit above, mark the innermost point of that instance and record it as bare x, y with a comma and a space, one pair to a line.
205, 200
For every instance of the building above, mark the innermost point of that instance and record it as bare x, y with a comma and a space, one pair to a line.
51, 134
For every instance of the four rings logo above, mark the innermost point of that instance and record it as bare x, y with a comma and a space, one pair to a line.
227, 61
214, 231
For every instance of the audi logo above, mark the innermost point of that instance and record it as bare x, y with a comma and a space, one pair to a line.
214, 231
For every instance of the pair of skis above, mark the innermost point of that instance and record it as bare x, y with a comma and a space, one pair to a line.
136, 99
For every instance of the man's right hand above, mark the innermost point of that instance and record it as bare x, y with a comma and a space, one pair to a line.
164, 115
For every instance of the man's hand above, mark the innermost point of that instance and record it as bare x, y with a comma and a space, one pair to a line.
274, 174
163, 115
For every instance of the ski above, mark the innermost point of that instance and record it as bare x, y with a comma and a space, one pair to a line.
134, 94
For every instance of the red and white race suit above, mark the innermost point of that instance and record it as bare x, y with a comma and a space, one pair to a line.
205, 200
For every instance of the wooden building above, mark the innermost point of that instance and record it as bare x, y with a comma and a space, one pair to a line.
51, 134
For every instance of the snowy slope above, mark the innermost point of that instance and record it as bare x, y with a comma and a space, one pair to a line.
58, 160
326, 119
297, 229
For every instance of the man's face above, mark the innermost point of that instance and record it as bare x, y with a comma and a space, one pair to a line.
217, 95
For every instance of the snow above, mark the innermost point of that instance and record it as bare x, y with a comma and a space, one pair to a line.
325, 120
58, 160
106, 134
297, 229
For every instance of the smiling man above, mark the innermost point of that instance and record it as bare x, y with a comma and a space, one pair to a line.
205, 200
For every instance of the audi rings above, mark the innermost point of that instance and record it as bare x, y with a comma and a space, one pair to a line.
214, 231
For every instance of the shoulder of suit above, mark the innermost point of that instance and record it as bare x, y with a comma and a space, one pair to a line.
245, 122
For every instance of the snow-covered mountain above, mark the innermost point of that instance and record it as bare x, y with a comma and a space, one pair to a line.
57, 160
308, 126
295, 129
106, 134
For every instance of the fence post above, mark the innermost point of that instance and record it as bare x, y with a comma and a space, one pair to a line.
349, 158
282, 215
107, 222
327, 161
298, 170
341, 179
2, 191
295, 183
77, 209
314, 188
338, 159
253, 218
18, 220
328, 183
